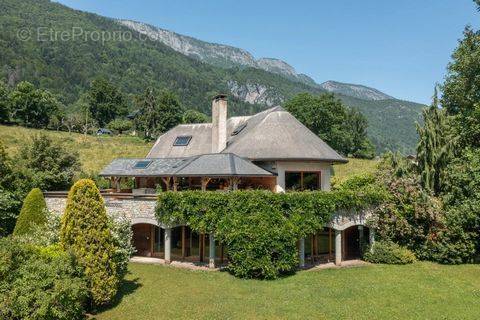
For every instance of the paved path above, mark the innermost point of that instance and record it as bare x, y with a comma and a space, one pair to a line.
204, 266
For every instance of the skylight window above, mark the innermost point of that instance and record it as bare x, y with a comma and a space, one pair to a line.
142, 164
182, 141
239, 129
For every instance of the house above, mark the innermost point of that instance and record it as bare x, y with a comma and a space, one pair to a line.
270, 150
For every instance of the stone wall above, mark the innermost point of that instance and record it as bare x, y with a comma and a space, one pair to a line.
143, 211
135, 210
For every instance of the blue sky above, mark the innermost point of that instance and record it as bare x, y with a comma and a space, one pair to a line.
399, 47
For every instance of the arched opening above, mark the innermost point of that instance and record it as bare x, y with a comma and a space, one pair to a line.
148, 240
354, 240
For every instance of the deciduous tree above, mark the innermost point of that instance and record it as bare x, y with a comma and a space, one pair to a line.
32, 107
105, 101
158, 113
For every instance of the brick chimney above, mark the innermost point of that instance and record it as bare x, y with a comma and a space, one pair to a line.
219, 123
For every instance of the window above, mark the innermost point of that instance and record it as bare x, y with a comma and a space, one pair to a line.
182, 141
239, 129
142, 164
298, 181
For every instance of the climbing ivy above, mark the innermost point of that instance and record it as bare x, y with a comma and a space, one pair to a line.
260, 228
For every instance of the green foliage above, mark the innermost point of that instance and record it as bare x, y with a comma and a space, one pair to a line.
9, 207
85, 232
105, 101
9, 200
361, 146
122, 235
39, 283
461, 90
158, 112
120, 125
32, 107
260, 228
46, 164
45, 235
4, 103
388, 253
194, 116
410, 216
33, 213
435, 147
342, 128
460, 241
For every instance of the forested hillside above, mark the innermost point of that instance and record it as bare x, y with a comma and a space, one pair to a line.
33, 47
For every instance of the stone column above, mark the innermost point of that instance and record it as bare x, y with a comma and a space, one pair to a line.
361, 238
301, 252
211, 259
338, 247
372, 238
168, 245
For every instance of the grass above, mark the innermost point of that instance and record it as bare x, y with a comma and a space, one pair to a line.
353, 167
418, 291
95, 151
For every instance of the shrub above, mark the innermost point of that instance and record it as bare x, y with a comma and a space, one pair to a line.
43, 235
122, 235
85, 231
39, 283
33, 213
388, 253
47, 164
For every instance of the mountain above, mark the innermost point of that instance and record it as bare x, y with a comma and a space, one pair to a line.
67, 64
355, 90
218, 55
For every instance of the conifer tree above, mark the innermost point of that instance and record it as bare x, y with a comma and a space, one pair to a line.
85, 231
33, 213
435, 147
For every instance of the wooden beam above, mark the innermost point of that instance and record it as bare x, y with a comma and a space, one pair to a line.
166, 180
205, 181
175, 184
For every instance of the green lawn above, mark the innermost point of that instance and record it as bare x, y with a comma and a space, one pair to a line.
353, 167
95, 151
418, 291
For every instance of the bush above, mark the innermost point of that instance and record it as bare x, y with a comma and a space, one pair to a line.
44, 235
122, 235
388, 253
39, 283
33, 213
47, 164
85, 231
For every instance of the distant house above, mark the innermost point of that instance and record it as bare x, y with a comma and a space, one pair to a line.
103, 131
270, 150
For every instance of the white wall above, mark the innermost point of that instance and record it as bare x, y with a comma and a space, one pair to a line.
323, 167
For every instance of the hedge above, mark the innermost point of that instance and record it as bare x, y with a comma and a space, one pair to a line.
259, 228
